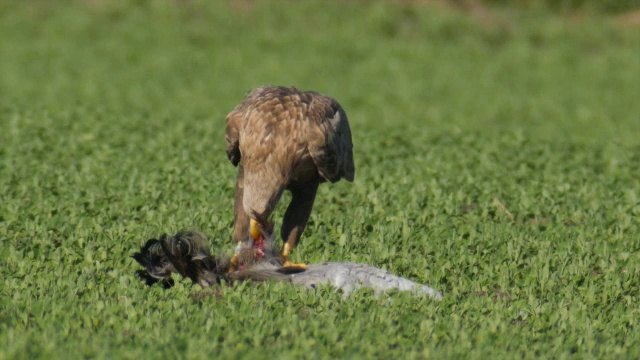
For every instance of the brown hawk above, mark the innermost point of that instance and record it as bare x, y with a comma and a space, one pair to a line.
284, 139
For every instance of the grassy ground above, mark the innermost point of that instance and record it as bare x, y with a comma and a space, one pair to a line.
498, 160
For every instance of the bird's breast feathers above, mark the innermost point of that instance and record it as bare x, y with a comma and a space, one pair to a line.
286, 128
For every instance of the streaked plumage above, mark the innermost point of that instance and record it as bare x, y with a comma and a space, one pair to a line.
285, 139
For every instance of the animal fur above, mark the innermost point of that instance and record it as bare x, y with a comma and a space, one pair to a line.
187, 254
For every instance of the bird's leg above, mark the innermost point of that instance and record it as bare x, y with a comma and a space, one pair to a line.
259, 233
241, 222
296, 217
257, 247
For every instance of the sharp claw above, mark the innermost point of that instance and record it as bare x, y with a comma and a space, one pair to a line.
233, 263
289, 264
254, 229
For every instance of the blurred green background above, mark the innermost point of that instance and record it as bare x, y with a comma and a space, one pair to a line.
445, 64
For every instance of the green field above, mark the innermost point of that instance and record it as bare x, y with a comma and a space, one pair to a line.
497, 160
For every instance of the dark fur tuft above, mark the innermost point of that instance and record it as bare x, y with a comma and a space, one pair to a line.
187, 254
154, 259
184, 253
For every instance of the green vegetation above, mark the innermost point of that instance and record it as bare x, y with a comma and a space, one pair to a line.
498, 160
607, 6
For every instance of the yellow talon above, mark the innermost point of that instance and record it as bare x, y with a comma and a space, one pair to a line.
256, 235
289, 264
285, 258
233, 263
285, 251
254, 230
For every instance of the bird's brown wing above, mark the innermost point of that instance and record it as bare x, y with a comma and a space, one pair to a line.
330, 143
256, 111
234, 121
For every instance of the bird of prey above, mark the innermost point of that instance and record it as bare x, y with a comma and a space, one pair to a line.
283, 139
